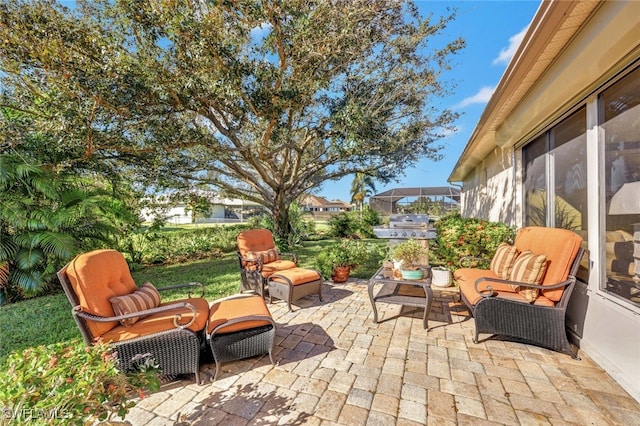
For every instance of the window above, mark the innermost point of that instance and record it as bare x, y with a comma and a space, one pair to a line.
555, 184
555, 181
619, 119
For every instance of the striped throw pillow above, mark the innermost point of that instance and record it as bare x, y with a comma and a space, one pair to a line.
266, 256
528, 268
146, 297
502, 261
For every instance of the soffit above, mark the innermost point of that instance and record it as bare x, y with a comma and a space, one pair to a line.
552, 28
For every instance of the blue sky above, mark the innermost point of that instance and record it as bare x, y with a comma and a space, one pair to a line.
492, 31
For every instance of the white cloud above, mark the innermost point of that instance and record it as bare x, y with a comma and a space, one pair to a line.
482, 97
507, 53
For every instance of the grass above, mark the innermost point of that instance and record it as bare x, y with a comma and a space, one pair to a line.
47, 320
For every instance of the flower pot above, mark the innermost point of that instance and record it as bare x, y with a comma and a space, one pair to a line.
341, 274
412, 274
441, 277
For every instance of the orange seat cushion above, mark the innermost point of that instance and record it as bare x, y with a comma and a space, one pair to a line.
277, 266
162, 321
297, 276
237, 307
96, 277
466, 278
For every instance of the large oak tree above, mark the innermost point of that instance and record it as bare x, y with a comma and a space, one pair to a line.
265, 100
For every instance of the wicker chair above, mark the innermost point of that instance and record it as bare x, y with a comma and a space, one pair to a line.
499, 307
259, 259
171, 332
240, 327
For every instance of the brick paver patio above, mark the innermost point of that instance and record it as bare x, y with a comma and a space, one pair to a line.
336, 367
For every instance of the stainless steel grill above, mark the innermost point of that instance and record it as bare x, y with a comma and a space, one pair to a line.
405, 226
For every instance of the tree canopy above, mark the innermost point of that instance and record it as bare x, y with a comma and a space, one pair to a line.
264, 100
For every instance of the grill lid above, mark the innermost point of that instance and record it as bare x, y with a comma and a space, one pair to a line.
405, 226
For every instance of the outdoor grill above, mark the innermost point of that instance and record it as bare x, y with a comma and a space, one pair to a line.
406, 226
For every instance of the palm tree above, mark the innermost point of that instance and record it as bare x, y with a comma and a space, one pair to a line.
44, 220
361, 187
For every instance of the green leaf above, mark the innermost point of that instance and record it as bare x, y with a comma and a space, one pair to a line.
29, 259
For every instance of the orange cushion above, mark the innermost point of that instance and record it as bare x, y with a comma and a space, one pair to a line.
146, 297
277, 266
502, 261
162, 321
237, 307
255, 240
297, 276
96, 277
559, 245
466, 278
528, 268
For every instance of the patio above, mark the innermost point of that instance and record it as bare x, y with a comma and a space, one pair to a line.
335, 366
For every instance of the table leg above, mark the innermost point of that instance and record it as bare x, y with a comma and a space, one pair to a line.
373, 302
429, 296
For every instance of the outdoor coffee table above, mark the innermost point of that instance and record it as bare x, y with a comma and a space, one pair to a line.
398, 291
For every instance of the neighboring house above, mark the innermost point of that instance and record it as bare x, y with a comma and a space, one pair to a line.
222, 210
314, 204
559, 145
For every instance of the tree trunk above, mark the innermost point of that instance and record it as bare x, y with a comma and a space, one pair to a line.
281, 225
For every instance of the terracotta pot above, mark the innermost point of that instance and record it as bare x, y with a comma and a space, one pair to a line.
341, 274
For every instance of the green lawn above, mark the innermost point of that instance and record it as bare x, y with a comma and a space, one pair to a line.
45, 320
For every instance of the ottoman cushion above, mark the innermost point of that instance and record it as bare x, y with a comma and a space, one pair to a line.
297, 276
232, 308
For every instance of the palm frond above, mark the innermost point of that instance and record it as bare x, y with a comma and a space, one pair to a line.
58, 244
27, 259
8, 248
29, 281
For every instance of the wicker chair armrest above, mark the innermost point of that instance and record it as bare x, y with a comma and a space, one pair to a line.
293, 256
199, 286
77, 311
243, 319
463, 260
490, 292
251, 260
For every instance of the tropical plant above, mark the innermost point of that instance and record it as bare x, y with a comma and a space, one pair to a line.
71, 384
44, 220
264, 100
411, 253
361, 187
347, 253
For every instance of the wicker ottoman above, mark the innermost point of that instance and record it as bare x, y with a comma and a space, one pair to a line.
292, 284
240, 327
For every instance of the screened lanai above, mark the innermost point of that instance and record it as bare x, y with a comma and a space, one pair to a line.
407, 200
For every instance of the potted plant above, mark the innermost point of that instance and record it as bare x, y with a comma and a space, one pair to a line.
441, 276
410, 254
338, 260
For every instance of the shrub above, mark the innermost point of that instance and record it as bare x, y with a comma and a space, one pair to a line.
459, 237
354, 224
347, 252
167, 247
70, 383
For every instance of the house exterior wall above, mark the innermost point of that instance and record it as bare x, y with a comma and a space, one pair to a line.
607, 330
